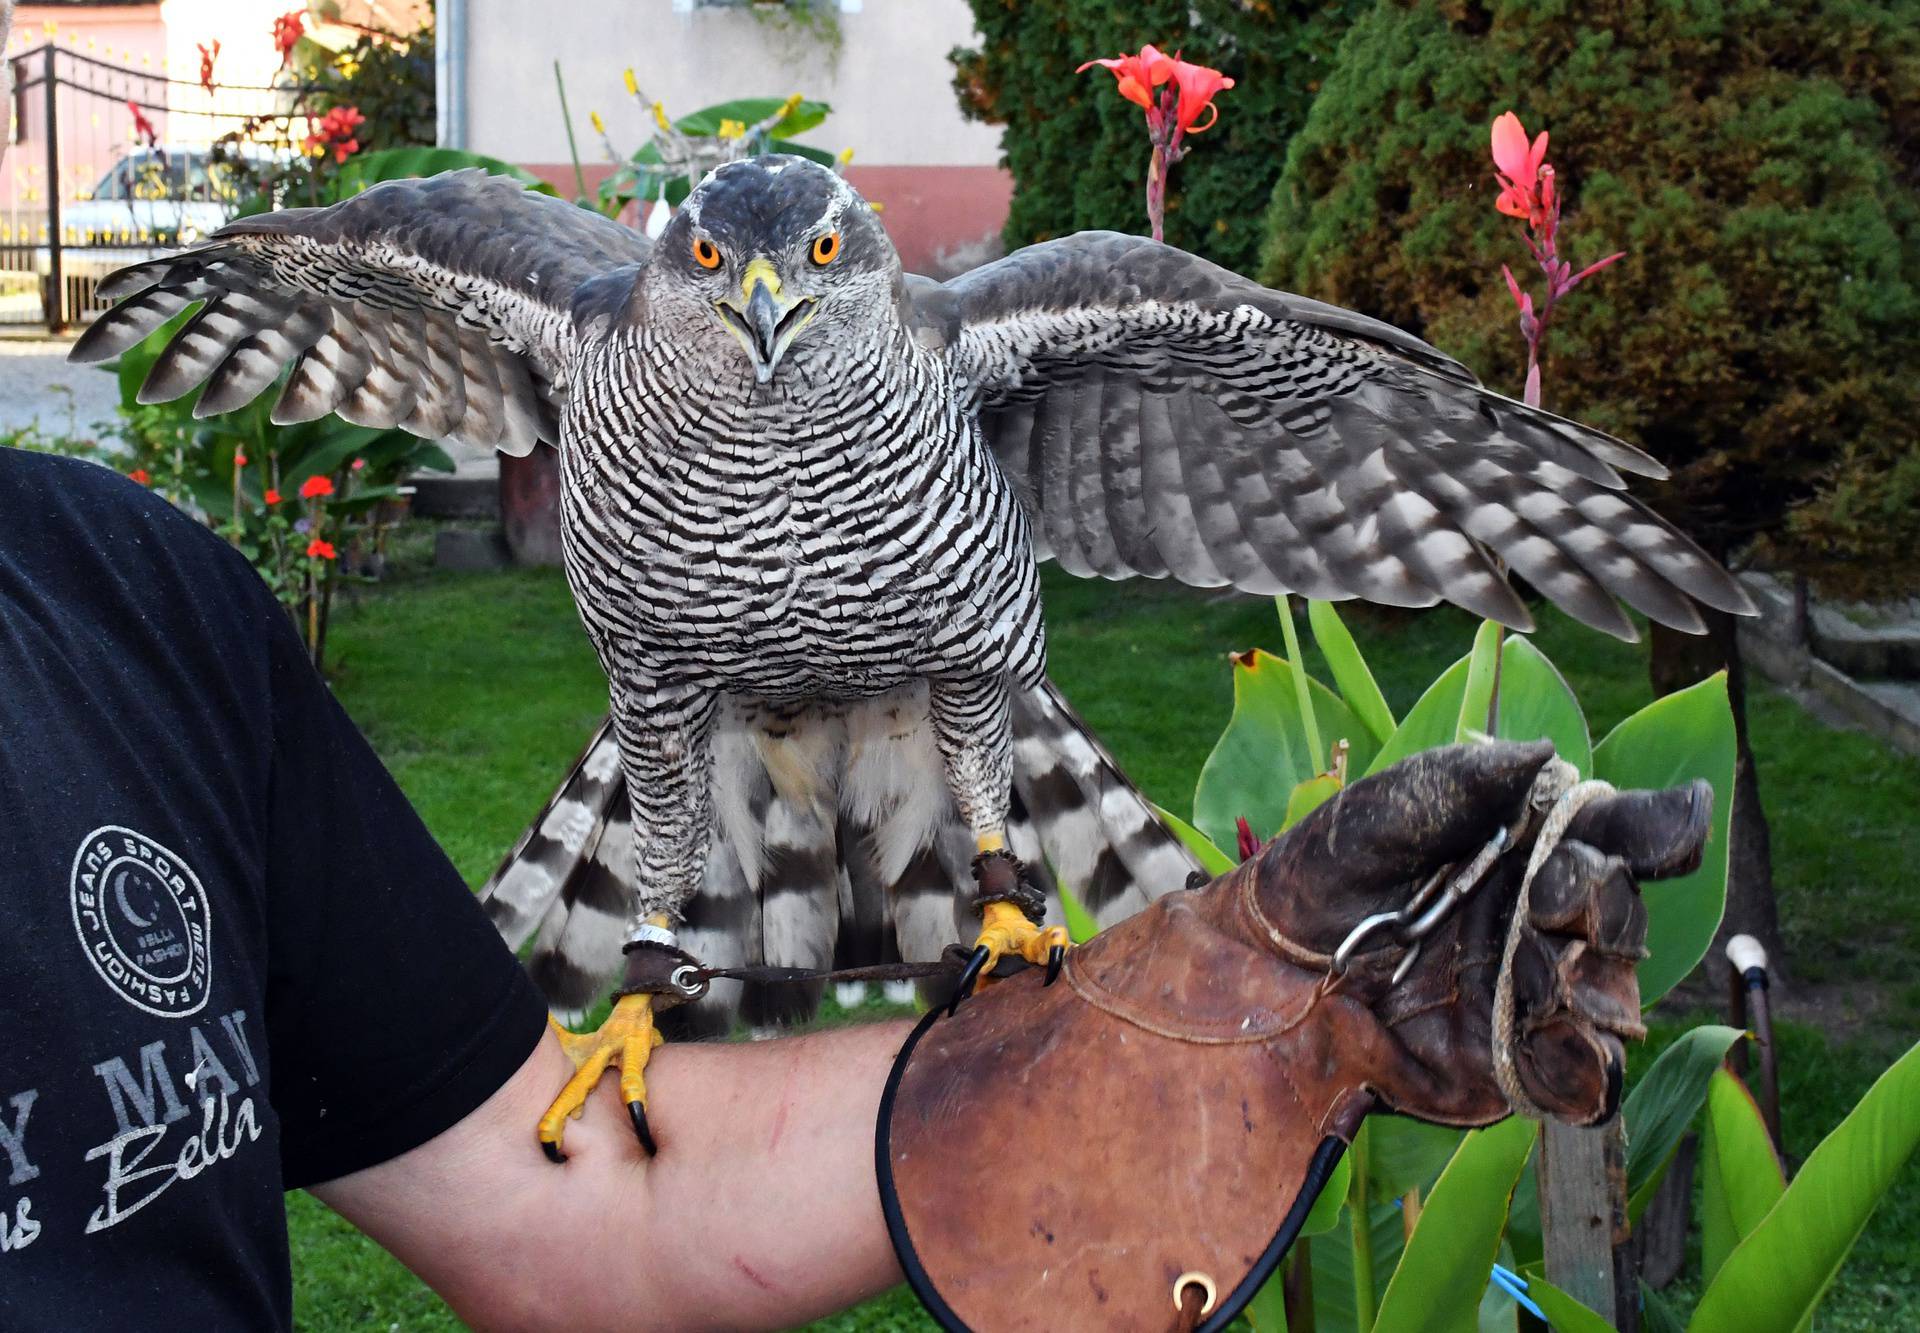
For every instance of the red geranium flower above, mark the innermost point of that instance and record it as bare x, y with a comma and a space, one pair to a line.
1197, 85
273, 496
1138, 75
139, 474
206, 64
315, 486
336, 133
287, 31
320, 550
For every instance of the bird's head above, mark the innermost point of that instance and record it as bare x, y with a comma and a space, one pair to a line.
778, 255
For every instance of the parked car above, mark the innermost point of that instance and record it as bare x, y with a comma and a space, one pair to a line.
154, 196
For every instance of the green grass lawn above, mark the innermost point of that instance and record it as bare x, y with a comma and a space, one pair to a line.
479, 689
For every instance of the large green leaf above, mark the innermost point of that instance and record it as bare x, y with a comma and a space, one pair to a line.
1080, 924
1333, 1295
1778, 1274
1212, 859
401, 163
1429, 723
1740, 1174
1657, 1314
1405, 1154
1687, 735
1350, 670
326, 449
1310, 796
1535, 701
1478, 694
1564, 1313
751, 111
1263, 754
1324, 1216
1267, 1310
1440, 1279
1664, 1103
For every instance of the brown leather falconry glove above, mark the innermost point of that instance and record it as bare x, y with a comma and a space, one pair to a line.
1205, 1058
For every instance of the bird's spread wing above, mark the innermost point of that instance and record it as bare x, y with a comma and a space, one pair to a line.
443, 306
1163, 416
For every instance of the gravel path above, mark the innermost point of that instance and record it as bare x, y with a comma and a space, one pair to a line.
37, 385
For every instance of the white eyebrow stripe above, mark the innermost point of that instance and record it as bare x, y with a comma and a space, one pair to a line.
843, 198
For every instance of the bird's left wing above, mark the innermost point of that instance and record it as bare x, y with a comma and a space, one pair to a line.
1163, 416
444, 306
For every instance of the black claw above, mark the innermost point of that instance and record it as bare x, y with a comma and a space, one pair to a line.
638, 1112
1056, 956
552, 1150
970, 978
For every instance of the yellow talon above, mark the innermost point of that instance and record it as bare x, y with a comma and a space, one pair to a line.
628, 1036
1005, 930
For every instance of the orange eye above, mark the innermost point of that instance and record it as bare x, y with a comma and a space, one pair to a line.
705, 253
826, 247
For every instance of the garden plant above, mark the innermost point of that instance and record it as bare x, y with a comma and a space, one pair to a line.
1293, 742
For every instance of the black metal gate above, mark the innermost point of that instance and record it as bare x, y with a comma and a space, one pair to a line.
101, 177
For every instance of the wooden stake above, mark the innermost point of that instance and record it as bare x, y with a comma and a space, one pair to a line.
1583, 1219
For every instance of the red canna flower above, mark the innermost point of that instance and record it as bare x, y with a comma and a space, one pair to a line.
1138, 75
1198, 86
316, 486
142, 126
1243, 831
320, 550
239, 460
273, 497
1519, 166
1172, 113
139, 474
287, 31
206, 64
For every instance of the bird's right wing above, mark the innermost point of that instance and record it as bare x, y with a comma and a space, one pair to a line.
444, 306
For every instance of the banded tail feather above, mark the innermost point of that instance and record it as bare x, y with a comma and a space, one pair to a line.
837, 844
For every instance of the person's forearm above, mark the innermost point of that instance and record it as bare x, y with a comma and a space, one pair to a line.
765, 1181
760, 1210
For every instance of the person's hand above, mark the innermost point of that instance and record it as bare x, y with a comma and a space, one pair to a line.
1072, 1154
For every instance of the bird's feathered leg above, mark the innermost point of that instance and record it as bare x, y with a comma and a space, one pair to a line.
666, 755
973, 724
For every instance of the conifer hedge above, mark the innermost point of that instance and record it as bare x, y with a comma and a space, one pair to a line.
1760, 162
1078, 153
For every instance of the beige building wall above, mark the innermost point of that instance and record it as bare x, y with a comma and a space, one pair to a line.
886, 75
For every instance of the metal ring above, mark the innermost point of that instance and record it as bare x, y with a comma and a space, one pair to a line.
687, 980
1195, 1278
1365, 928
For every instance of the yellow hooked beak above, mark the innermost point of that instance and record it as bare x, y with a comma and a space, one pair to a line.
763, 317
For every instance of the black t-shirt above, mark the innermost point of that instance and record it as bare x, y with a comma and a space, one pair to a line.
232, 961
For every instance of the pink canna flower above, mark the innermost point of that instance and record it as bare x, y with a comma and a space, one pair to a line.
1519, 166
1527, 192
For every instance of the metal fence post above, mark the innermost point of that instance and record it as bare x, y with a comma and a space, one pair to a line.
54, 299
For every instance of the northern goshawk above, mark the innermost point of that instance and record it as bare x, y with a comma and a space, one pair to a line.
803, 494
